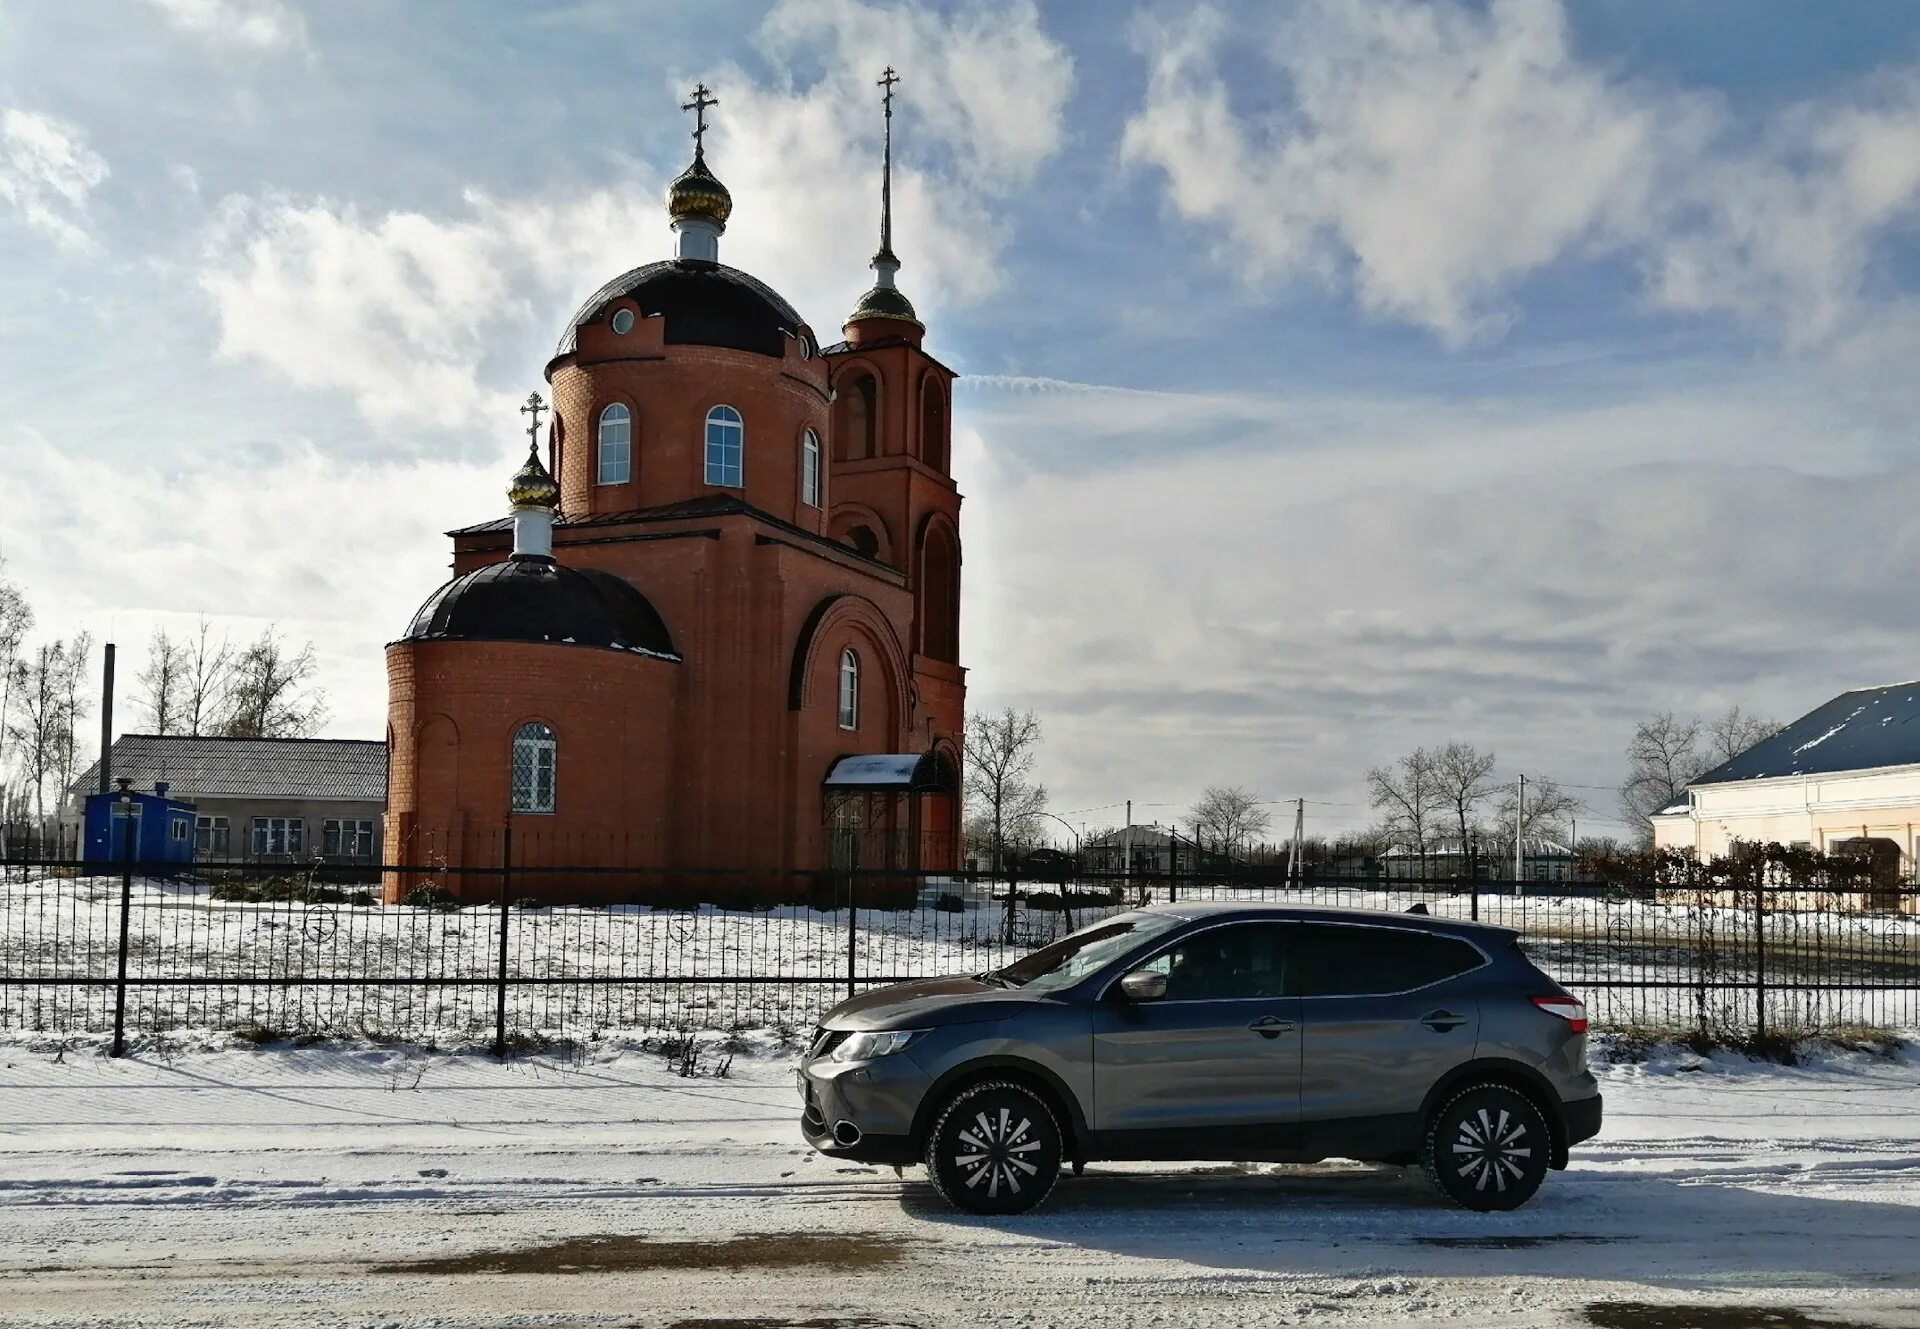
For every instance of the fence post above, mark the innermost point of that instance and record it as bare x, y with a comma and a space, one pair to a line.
500, 984
853, 930
1473, 880
126, 911
1760, 956
1173, 866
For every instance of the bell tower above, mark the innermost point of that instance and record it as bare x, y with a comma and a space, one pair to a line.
890, 486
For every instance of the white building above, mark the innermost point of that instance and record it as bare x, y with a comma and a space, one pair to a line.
1843, 778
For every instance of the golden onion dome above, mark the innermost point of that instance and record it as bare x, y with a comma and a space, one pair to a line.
697, 192
532, 486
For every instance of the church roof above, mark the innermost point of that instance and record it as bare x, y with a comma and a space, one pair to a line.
704, 304
537, 599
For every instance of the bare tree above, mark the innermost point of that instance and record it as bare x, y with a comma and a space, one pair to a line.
207, 664
1463, 776
1407, 795
1000, 751
269, 692
1733, 733
76, 702
16, 620
163, 683
1228, 816
1663, 758
1544, 815
38, 723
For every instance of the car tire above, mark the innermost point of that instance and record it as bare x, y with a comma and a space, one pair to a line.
1487, 1148
995, 1148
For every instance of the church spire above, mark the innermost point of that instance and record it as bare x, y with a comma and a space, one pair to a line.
697, 202
533, 494
885, 299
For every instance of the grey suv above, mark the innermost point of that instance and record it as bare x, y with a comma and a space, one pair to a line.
1221, 1032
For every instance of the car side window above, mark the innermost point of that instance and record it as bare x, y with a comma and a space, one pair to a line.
1336, 961
1233, 963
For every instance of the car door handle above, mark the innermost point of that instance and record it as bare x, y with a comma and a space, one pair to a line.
1442, 1021
1271, 1026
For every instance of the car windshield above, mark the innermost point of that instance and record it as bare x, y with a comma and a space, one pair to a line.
1072, 958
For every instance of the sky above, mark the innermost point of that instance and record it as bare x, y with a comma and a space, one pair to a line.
1337, 377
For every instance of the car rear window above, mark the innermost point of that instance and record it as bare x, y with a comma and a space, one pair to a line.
1332, 960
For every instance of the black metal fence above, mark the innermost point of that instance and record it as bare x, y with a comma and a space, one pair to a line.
485, 953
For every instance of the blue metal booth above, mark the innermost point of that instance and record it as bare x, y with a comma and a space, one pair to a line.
162, 827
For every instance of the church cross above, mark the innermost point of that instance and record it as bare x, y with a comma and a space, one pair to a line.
887, 80
702, 99
533, 408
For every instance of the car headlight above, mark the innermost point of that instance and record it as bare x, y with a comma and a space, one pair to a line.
884, 1043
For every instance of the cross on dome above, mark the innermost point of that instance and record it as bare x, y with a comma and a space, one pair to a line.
702, 99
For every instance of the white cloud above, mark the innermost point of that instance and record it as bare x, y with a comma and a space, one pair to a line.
48, 173
440, 319
1435, 155
248, 25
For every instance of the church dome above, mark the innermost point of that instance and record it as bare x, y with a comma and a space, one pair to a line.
536, 599
697, 192
704, 304
883, 302
532, 486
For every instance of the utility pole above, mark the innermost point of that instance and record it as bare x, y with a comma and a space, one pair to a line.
1126, 845
106, 720
1295, 868
1519, 837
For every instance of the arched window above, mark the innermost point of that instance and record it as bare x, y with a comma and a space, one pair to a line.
535, 754
726, 437
616, 445
855, 417
849, 690
810, 469
939, 595
933, 426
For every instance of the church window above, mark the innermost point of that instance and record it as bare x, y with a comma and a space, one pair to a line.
726, 437
534, 754
622, 321
616, 445
810, 469
933, 426
849, 690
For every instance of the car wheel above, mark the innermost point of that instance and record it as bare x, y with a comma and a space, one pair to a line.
1487, 1148
994, 1149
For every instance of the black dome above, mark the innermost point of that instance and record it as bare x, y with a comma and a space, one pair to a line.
536, 599
705, 304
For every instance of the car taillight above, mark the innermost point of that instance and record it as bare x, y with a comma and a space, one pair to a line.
1572, 1011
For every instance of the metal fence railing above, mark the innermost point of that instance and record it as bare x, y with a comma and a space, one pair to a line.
489, 952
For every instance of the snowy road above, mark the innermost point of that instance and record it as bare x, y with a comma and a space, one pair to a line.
321, 1187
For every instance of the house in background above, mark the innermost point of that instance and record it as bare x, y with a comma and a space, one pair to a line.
292, 799
1844, 778
127, 825
1542, 860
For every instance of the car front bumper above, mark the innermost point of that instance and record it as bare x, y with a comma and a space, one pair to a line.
863, 1110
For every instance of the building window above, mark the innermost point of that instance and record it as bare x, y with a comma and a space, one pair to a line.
347, 838
725, 437
616, 445
849, 690
810, 469
179, 830
277, 835
622, 322
856, 416
212, 838
534, 758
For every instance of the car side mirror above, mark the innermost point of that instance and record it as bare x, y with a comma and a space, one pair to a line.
1143, 985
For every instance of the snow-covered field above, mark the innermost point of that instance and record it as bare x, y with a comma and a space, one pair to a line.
394, 971
366, 1186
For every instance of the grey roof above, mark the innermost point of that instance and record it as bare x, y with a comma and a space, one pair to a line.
350, 769
1860, 730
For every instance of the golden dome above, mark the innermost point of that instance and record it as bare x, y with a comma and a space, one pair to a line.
532, 486
697, 192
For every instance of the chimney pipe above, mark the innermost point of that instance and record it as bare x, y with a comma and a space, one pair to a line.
106, 721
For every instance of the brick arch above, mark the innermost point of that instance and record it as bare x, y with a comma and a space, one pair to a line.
856, 433
935, 423
936, 588
824, 633
843, 518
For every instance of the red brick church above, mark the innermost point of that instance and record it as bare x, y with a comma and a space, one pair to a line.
720, 626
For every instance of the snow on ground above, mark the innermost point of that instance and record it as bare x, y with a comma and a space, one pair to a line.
358, 1185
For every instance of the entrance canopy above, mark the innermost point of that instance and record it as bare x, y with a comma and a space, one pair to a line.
892, 772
